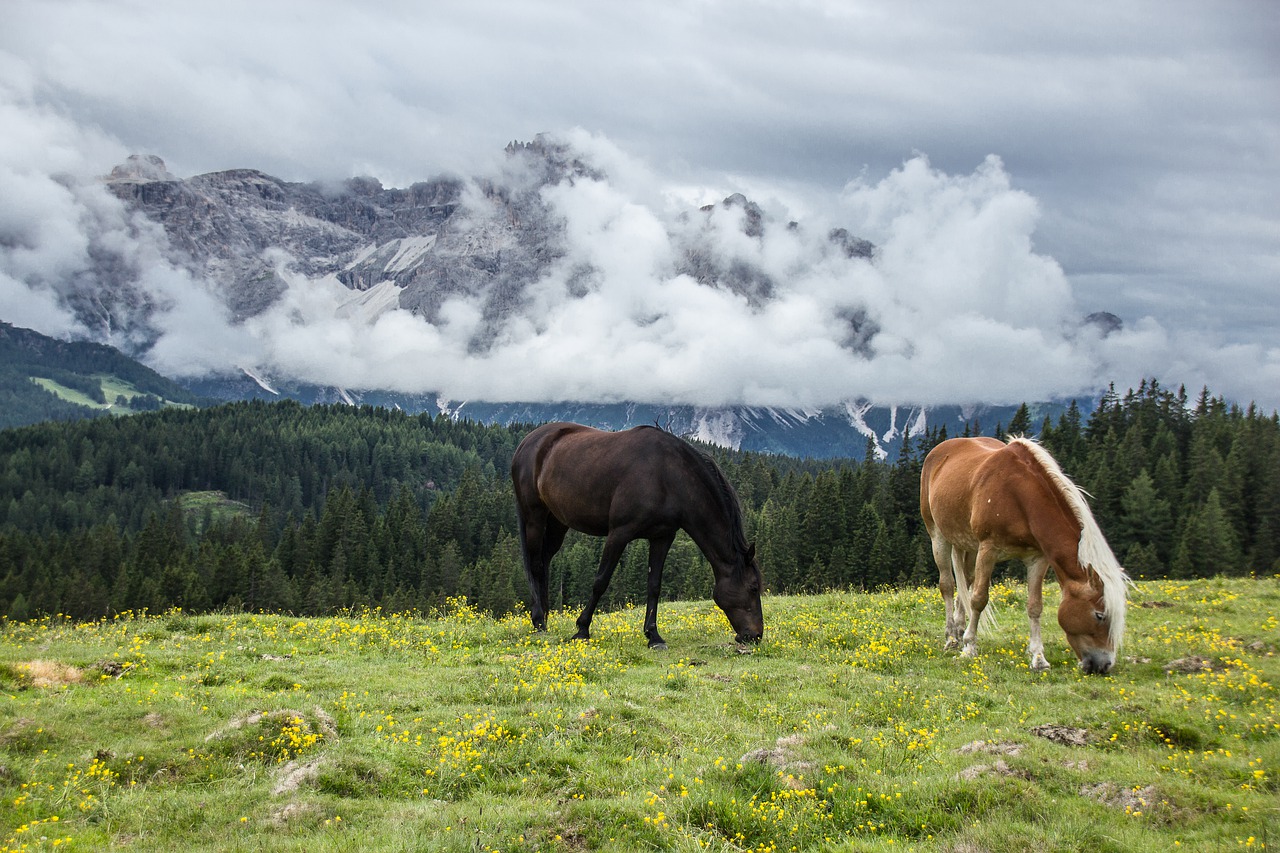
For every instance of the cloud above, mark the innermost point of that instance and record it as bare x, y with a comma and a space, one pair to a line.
957, 307
1137, 146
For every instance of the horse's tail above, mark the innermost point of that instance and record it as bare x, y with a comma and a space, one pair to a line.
965, 598
1093, 552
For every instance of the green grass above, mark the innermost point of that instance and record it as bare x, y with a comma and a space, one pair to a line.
112, 387
848, 728
214, 504
69, 394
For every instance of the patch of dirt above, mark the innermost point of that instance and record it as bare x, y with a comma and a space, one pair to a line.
781, 755
999, 768
293, 812
1156, 604
1004, 747
16, 730
1195, 663
1065, 735
50, 673
1129, 798
294, 775
153, 720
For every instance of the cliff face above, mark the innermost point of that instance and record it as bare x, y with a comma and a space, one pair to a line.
243, 233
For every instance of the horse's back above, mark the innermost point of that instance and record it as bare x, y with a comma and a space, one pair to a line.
529, 454
949, 472
583, 475
971, 489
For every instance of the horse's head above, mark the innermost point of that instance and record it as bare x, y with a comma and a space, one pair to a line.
1085, 620
738, 595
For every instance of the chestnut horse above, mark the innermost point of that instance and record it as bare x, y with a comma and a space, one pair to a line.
643, 483
984, 501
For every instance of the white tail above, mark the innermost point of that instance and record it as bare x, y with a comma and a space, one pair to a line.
989, 621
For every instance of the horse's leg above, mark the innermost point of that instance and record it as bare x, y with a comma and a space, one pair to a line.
614, 544
658, 549
552, 539
979, 591
961, 572
533, 537
947, 586
1036, 571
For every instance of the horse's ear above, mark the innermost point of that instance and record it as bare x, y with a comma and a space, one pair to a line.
751, 552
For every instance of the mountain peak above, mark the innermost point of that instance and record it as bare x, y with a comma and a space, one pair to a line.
141, 168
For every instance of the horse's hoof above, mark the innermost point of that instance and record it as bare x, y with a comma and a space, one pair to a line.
1039, 665
951, 644
969, 652
659, 646
581, 635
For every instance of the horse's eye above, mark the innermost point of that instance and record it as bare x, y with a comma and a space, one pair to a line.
1099, 615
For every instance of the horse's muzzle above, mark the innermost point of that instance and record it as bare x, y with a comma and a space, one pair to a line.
744, 638
1097, 662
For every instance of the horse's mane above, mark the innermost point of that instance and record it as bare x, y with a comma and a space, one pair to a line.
1094, 553
728, 499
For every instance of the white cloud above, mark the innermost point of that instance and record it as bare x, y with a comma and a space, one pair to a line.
1138, 150
960, 307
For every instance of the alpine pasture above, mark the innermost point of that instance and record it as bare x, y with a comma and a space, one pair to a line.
847, 728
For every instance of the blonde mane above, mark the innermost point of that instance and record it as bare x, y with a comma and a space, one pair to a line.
1094, 553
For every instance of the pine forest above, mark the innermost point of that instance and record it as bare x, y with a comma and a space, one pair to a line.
278, 507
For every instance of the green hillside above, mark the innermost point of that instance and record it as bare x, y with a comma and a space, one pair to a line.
847, 729
42, 379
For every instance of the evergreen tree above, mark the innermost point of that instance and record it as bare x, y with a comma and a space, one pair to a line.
1020, 425
1146, 519
777, 545
1209, 542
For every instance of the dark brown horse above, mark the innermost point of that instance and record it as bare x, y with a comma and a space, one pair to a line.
984, 501
639, 484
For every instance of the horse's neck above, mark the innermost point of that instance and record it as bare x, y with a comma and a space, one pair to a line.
716, 547
1059, 539
714, 535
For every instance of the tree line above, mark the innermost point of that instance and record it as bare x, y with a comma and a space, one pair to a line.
330, 507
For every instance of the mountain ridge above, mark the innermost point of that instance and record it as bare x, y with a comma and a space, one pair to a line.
486, 250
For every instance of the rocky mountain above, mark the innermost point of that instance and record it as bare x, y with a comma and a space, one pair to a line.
414, 248
244, 236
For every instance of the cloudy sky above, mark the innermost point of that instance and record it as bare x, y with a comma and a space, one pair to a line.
1021, 165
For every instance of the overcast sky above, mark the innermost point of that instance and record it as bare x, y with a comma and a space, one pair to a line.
1138, 141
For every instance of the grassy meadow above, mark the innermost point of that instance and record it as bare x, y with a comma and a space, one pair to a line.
848, 728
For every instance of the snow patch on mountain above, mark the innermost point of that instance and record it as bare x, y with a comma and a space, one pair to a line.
721, 427
259, 381
368, 305
410, 253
